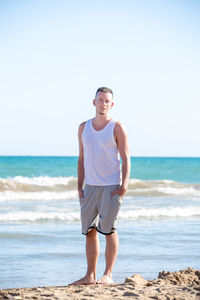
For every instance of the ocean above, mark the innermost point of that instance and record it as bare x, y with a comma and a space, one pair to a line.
40, 233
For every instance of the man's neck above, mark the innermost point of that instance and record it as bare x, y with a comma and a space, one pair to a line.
100, 119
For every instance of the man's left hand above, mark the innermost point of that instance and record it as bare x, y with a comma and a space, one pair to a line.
120, 191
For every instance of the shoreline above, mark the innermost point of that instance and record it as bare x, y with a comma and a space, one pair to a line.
183, 284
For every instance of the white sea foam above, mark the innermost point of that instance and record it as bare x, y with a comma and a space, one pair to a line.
162, 188
39, 217
37, 196
162, 191
34, 184
46, 184
44, 180
187, 191
163, 212
131, 214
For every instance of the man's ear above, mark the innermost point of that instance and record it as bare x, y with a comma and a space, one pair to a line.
112, 105
94, 102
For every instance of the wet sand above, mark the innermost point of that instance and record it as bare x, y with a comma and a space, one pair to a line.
180, 285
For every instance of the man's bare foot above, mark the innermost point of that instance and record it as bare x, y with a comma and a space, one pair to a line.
85, 280
106, 279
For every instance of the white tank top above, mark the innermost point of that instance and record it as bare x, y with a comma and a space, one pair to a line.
101, 155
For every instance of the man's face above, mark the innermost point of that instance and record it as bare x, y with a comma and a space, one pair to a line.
103, 102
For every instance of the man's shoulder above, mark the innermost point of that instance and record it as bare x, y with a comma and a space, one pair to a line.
118, 123
82, 125
119, 127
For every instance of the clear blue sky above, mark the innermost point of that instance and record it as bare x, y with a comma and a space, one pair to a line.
55, 54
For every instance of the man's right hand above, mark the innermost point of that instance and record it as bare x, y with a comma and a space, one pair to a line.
80, 193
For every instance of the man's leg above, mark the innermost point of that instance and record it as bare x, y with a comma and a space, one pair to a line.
112, 245
92, 253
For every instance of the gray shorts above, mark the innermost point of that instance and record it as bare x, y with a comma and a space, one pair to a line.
98, 209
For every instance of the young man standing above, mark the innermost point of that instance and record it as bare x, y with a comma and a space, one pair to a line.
101, 140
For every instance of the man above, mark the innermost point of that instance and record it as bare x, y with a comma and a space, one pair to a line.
101, 140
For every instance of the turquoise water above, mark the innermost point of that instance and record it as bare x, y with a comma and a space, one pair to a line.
182, 169
40, 234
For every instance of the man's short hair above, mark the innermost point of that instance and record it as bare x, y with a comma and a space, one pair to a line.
105, 90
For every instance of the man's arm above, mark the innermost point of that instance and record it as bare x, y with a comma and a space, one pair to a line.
80, 162
122, 143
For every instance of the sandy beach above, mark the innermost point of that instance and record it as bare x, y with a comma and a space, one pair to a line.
183, 284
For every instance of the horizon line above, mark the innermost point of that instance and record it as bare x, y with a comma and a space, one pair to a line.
142, 156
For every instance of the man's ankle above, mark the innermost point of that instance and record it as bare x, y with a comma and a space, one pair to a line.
108, 273
91, 275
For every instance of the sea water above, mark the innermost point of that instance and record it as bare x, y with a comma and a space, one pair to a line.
40, 234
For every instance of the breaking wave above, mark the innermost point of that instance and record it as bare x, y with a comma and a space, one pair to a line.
52, 188
131, 214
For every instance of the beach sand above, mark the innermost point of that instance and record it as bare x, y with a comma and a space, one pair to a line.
182, 285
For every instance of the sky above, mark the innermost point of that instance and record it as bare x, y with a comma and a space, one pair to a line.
55, 54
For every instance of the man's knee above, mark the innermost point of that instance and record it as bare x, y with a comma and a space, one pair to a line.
92, 233
112, 235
